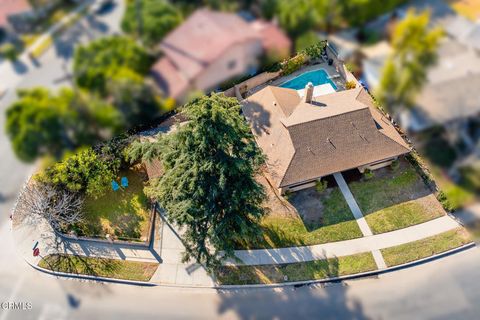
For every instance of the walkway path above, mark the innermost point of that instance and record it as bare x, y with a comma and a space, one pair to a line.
357, 213
348, 247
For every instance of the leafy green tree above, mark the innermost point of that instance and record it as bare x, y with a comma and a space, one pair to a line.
84, 172
109, 58
359, 12
414, 47
296, 16
151, 20
136, 102
208, 185
41, 123
306, 40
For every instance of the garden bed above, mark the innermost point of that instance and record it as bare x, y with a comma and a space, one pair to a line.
308, 218
395, 198
301, 271
99, 267
425, 247
123, 214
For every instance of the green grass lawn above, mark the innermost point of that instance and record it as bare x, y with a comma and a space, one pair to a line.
123, 214
319, 269
281, 230
396, 199
109, 268
426, 247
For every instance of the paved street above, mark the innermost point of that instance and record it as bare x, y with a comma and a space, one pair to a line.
448, 288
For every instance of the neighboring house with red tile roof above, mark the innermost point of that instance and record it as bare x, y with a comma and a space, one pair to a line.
17, 15
307, 138
211, 47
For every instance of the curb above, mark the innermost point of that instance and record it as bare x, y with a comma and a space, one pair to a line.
465, 247
91, 278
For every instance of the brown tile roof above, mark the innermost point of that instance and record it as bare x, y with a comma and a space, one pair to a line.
11, 7
336, 132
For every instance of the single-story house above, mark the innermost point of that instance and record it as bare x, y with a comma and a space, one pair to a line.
211, 47
307, 138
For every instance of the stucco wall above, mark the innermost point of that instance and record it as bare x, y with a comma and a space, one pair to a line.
253, 82
243, 55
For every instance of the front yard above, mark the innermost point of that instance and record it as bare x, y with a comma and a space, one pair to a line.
395, 198
426, 247
308, 218
311, 270
122, 214
109, 268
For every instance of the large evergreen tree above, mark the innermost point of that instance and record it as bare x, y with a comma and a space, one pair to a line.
208, 185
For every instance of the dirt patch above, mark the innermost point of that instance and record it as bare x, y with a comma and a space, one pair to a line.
275, 204
309, 205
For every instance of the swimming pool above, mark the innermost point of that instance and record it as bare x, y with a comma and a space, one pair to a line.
317, 78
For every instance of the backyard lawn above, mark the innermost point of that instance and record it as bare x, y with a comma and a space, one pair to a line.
109, 268
426, 247
395, 199
308, 218
123, 214
318, 269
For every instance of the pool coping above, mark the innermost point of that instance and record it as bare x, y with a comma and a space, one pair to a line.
310, 71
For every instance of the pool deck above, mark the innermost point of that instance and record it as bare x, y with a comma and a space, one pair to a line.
331, 71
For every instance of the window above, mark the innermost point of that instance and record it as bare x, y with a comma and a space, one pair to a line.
231, 64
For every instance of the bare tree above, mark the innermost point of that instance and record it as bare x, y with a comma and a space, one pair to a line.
58, 206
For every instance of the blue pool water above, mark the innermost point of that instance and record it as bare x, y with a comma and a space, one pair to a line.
316, 77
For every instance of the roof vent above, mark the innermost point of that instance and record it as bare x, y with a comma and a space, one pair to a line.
330, 141
308, 93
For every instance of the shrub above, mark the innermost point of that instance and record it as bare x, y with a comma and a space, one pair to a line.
395, 165
293, 64
321, 186
350, 85
316, 50
9, 51
368, 174
84, 172
446, 204
287, 195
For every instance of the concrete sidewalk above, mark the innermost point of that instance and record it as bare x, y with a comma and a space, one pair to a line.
357, 213
348, 247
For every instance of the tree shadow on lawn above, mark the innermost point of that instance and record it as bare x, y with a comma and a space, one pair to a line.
389, 187
123, 213
321, 209
81, 265
278, 273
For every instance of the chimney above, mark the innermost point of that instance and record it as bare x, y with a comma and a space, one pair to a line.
308, 93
